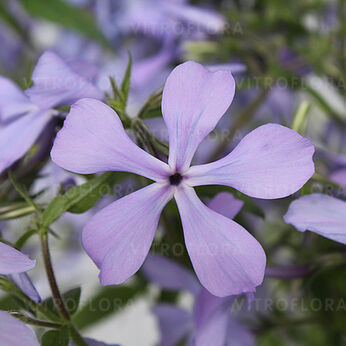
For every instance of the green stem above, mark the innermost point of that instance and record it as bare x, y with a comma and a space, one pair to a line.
23, 193
58, 300
35, 322
51, 278
342, 35
151, 142
37, 307
76, 337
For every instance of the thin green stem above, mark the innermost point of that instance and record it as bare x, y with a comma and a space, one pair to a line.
38, 308
34, 321
58, 300
76, 337
25, 196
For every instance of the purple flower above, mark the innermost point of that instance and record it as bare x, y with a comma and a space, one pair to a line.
339, 176
148, 73
14, 332
24, 116
210, 323
225, 204
11, 48
157, 18
322, 214
13, 261
293, 62
24, 283
271, 162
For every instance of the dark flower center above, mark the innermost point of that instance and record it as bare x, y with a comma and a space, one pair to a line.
175, 179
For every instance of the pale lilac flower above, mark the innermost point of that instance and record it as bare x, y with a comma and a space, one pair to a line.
14, 264
225, 204
339, 176
13, 261
334, 140
293, 62
271, 162
210, 323
24, 283
148, 73
319, 213
157, 18
11, 50
14, 332
24, 116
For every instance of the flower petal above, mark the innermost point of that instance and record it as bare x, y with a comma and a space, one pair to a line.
215, 331
118, 238
225, 204
211, 315
56, 84
206, 304
272, 161
339, 176
169, 275
174, 323
319, 213
18, 137
226, 258
204, 19
193, 101
93, 140
144, 71
239, 335
24, 283
13, 261
13, 101
12, 331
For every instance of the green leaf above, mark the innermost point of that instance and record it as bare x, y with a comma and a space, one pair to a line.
10, 303
152, 113
12, 22
71, 299
24, 237
15, 210
323, 104
125, 85
78, 199
56, 337
328, 287
109, 300
22, 192
66, 15
152, 107
116, 92
300, 117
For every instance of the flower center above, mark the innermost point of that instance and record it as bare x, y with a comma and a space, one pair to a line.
175, 179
